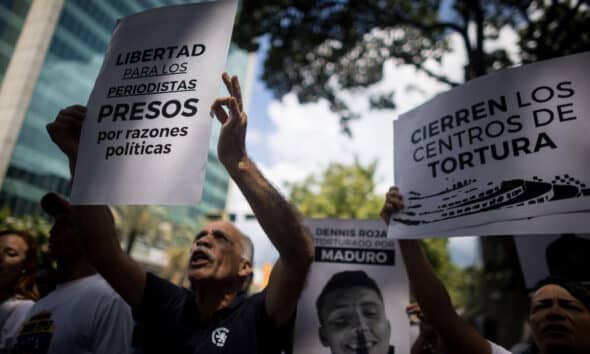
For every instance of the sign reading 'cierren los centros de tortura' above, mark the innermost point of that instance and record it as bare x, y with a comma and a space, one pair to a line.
507, 146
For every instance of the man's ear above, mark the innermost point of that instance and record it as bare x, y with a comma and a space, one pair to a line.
245, 268
322, 335
245, 272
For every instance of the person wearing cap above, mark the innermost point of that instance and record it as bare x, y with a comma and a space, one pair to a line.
214, 315
352, 315
559, 315
83, 314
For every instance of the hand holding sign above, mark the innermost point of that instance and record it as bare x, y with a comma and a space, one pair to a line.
65, 131
393, 203
231, 147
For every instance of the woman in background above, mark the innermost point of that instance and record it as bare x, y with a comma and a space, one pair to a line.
18, 292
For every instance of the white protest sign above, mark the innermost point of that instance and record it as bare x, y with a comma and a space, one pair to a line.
146, 134
356, 281
563, 256
550, 224
507, 146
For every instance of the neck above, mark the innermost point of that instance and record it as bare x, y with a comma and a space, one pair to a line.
211, 297
73, 270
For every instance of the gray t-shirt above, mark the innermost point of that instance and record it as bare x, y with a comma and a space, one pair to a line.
12, 314
496, 349
79, 317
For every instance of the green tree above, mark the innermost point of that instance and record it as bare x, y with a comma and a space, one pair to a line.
320, 47
341, 191
347, 191
457, 281
145, 222
182, 235
37, 226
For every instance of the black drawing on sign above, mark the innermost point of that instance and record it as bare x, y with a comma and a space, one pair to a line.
464, 198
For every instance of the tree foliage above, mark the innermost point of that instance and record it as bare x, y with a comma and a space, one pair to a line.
320, 47
145, 222
347, 191
37, 226
178, 253
341, 191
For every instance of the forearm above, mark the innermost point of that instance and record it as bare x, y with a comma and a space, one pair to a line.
97, 228
431, 294
277, 217
435, 302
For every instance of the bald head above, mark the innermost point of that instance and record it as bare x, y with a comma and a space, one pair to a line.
221, 252
245, 243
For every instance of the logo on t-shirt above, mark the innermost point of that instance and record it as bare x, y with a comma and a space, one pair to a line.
219, 336
35, 335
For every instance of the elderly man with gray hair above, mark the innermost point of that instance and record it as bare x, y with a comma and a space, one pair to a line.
214, 315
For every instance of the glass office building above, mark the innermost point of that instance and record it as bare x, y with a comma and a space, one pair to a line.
67, 76
12, 16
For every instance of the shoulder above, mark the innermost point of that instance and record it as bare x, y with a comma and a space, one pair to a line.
246, 308
12, 305
256, 308
96, 286
158, 290
94, 292
256, 299
15, 310
163, 301
254, 305
496, 349
272, 338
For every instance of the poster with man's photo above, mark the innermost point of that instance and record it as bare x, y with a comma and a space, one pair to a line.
509, 146
356, 292
565, 256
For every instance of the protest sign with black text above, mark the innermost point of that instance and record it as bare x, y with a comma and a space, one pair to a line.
146, 134
505, 147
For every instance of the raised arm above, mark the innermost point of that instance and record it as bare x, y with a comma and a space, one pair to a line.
432, 296
95, 223
279, 220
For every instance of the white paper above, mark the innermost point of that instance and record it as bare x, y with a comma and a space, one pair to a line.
576, 223
508, 146
354, 245
134, 150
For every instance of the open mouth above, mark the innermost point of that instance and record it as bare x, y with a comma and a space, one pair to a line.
200, 258
556, 329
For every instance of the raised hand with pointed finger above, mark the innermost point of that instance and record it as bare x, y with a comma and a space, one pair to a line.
231, 148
